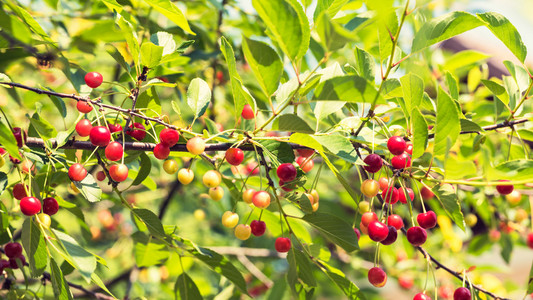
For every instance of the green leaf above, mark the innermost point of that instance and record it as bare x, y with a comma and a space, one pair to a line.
149, 100
420, 133
347, 287
287, 24
113, 51
339, 146
506, 32
519, 74
35, 247
131, 37
283, 151
29, 21
165, 40
149, 251
144, 171
443, 28
3, 182
151, 54
330, 7
365, 64
198, 96
506, 244
240, 95
186, 289
151, 220
172, 12
445, 194
78, 257
463, 59
292, 123
59, 104
265, 64
413, 90
448, 125
45, 130
302, 267
497, 89
334, 229
349, 88
453, 85
332, 35
89, 188
467, 125
221, 265
59, 283
8, 141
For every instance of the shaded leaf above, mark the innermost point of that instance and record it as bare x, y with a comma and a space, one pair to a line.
35, 247
185, 288
334, 229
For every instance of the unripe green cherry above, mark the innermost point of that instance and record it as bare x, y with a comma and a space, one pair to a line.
170, 166
364, 206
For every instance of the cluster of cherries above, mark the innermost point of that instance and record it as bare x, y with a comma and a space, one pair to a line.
13, 251
387, 233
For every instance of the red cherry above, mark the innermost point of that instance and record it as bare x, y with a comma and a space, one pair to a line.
13, 262
417, 236
409, 149
390, 195
234, 156
377, 277
401, 161
377, 231
305, 152
258, 227
100, 176
396, 145
119, 172
427, 220
306, 164
83, 127
114, 127
13, 249
284, 186
504, 189
406, 281
50, 206
401, 195
247, 112
100, 136
421, 296
19, 135
161, 151
114, 151
395, 221
391, 236
462, 293
383, 183
286, 172
19, 191
282, 244
530, 240
84, 107
4, 263
77, 172
169, 137
373, 163
427, 194
368, 217
30, 206
93, 79
253, 168
137, 132
357, 232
